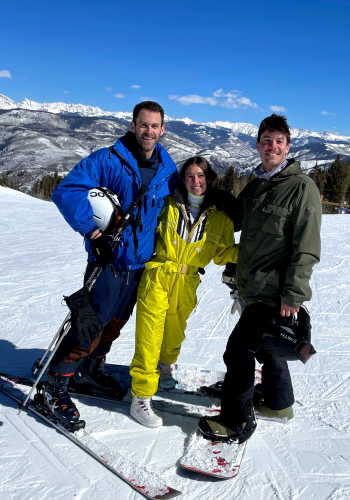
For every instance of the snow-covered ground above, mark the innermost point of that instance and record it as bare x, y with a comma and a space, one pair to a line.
42, 259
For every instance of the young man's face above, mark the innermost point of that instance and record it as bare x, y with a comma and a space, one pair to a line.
147, 129
272, 148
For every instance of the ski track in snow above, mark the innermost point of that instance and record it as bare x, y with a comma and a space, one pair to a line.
42, 259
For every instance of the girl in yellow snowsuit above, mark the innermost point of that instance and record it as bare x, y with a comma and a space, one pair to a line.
167, 290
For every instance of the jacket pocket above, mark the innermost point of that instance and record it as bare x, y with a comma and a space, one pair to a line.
274, 219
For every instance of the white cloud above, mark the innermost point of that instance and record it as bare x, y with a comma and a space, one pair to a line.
218, 93
231, 100
135, 86
326, 113
234, 94
119, 96
186, 100
5, 74
246, 103
277, 109
109, 88
65, 91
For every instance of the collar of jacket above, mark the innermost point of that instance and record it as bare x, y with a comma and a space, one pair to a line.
165, 160
292, 168
121, 147
179, 199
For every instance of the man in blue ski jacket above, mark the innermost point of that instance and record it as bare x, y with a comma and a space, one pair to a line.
136, 159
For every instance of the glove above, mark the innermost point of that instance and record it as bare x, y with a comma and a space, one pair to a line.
102, 251
223, 200
229, 276
84, 322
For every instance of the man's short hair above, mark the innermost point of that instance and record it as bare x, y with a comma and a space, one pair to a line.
275, 123
150, 106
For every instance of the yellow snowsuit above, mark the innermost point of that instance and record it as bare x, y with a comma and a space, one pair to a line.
167, 290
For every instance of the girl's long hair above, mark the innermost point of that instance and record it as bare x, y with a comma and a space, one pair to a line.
210, 174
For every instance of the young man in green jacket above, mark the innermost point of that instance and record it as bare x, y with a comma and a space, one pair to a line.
280, 211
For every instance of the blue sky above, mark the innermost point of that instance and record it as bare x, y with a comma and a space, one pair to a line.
224, 60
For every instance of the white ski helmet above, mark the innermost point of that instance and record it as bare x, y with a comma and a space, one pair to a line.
106, 208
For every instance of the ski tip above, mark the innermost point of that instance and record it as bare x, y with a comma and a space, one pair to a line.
171, 493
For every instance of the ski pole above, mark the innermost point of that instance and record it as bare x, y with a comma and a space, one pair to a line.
39, 364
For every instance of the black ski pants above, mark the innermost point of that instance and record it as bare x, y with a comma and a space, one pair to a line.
243, 346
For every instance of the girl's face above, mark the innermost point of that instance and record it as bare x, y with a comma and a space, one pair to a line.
195, 180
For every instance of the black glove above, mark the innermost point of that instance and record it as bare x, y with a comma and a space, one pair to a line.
223, 200
102, 251
84, 322
229, 276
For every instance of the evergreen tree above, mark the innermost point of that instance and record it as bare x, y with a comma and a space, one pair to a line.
228, 179
318, 175
347, 182
6, 182
334, 186
44, 187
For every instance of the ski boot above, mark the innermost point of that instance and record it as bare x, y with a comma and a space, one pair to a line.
142, 411
52, 399
166, 379
89, 379
214, 429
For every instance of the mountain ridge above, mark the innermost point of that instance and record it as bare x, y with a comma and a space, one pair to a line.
94, 111
37, 139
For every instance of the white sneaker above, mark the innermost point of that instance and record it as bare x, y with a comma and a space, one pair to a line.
166, 378
142, 411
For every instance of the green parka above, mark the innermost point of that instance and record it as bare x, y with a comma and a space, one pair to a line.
280, 240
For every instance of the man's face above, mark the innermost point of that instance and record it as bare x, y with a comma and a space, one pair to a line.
147, 129
272, 148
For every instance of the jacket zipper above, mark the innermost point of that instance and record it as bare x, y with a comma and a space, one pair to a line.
191, 232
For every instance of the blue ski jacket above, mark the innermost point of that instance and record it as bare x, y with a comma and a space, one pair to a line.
121, 175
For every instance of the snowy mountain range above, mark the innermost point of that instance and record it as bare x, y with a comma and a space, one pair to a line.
38, 138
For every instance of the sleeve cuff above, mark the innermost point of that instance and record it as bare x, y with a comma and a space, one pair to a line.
88, 228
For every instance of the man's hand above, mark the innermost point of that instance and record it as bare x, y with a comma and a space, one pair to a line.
101, 249
96, 234
287, 311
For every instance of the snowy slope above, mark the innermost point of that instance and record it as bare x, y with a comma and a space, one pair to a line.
42, 258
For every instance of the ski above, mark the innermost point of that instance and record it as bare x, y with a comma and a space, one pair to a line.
175, 408
206, 383
146, 483
161, 401
218, 459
